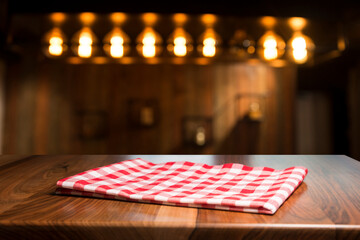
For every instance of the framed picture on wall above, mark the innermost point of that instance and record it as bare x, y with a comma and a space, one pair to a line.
250, 107
143, 113
197, 130
92, 125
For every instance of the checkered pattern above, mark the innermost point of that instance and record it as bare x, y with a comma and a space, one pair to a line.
230, 186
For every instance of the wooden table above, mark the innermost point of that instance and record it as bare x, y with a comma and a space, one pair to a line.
325, 206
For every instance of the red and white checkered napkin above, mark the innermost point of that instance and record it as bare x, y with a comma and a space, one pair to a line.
229, 187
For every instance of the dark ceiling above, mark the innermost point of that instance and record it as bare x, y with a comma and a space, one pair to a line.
340, 10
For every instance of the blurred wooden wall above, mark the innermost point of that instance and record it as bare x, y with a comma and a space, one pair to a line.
46, 101
3, 31
314, 123
354, 111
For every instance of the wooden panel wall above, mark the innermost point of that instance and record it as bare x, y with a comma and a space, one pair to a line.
44, 100
2, 99
274, 88
314, 123
354, 112
3, 31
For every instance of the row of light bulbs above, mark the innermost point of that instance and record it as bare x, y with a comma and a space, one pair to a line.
116, 44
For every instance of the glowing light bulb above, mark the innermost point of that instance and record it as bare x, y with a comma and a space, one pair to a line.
85, 45
117, 40
116, 43
55, 46
200, 137
299, 51
149, 39
149, 43
297, 23
270, 42
209, 48
85, 39
148, 48
298, 42
300, 55
117, 46
270, 48
180, 46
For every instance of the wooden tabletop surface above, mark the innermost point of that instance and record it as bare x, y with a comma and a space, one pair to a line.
325, 206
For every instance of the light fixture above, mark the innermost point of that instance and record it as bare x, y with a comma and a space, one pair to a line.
271, 46
149, 43
87, 18
57, 18
208, 19
118, 18
300, 47
180, 42
209, 43
54, 43
83, 43
116, 43
197, 130
255, 112
297, 23
241, 44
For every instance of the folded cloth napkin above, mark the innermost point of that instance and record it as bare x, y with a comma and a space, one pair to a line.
230, 186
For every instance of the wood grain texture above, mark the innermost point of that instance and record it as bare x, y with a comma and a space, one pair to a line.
325, 206
43, 100
10, 159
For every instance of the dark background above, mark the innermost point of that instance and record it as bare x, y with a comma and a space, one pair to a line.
329, 77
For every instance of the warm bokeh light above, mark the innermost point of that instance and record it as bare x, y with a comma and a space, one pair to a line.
180, 46
85, 38
57, 18
270, 53
149, 18
84, 51
297, 23
149, 43
149, 39
298, 43
148, 48
55, 46
270, 42
179, 42
87, 18
251, 50
341, 43
241, 44
200, 136
180, 18
118, 18
99, 60
270, 48
85, 45
300, 47
268, 22
54, 43
300, 55
117, 46
208, 19
209, 47
209, 43
116, 43
117, 40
